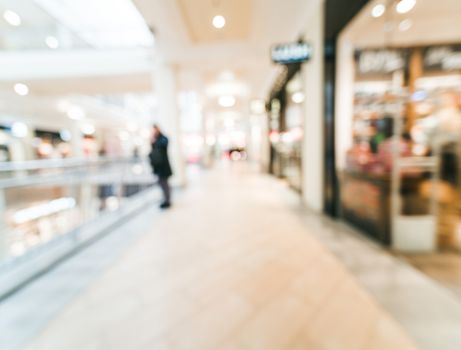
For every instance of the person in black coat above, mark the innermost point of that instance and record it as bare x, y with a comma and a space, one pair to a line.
161, 164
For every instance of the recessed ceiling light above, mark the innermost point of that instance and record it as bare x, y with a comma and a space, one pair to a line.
21, 89
405, 25
378, 10
52, 42
227, 101
298, 97
12, 18
219, 22
405, 6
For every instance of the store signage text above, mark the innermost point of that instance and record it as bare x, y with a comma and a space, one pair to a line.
443, 57
291, 53
380, 61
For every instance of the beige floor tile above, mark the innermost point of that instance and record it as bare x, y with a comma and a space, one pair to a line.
275, 326
212, 326
230, 267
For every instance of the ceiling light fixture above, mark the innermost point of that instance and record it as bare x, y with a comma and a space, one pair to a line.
227, 101
405, 25
12, 18
21, 89
404, 6
52, 42
378, 10
219, 22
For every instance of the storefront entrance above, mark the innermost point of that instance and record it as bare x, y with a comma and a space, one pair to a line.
398, 123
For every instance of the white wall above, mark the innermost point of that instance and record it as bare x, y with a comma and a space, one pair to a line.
312, 72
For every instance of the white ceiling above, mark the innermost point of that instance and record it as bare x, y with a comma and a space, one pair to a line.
185, 36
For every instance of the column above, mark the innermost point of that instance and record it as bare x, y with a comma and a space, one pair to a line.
167, 116
313, 145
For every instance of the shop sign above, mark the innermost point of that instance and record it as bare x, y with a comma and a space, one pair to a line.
291, 53
447, 57
380, 61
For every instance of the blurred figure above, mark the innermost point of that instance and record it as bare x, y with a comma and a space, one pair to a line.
161, 164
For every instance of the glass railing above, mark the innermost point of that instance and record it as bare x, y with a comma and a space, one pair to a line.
51, 207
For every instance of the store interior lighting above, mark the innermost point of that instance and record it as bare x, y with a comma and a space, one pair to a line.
19, 130
21, 89
219, 22
378, 10
227, 101
404, 6
12, 18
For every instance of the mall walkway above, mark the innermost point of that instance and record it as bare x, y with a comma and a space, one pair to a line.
232, 266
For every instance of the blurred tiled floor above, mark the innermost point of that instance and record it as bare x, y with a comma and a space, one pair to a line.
236, 265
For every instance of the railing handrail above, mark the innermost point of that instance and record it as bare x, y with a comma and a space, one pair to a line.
63, 163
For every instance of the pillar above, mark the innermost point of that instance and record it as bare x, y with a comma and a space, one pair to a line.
313, 144
167, 117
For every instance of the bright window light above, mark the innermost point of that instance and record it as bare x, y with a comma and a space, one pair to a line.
19, 130
21, 89
52, 42
219, 22
405, 6
102, 23
12, 18
378, 10
227, 101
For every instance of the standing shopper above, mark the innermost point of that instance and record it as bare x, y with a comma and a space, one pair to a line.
161, 164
